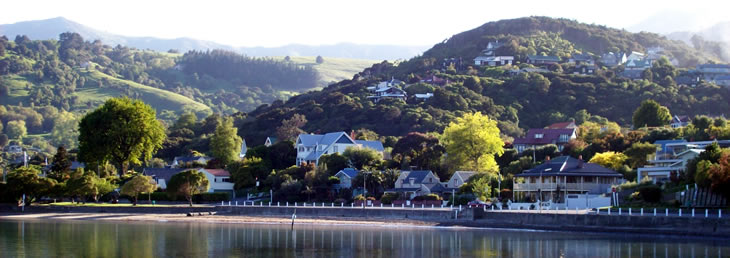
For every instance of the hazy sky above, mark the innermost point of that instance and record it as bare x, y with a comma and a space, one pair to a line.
277, 22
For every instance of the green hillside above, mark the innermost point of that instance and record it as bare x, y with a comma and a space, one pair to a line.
333, 70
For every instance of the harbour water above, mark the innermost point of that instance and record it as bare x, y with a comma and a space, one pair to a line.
64, 238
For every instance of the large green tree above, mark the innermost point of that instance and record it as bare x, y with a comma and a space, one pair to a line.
650, 113
188, 183
361, 157
225, 143
65, 130
16, 129
123, 131
471, 143
137, 185
27, 180
61, 165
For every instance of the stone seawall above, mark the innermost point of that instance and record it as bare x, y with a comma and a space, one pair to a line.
659, 225
346, 212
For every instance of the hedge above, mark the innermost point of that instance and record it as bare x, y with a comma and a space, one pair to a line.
203, 197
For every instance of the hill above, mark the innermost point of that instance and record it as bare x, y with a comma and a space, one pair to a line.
51, 28
518, 102
333, 69
715, 38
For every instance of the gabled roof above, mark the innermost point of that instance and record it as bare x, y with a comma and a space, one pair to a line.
417, 175
548, 136
681, 119
190, 158
162, 173
544, 58
568, 166
563, 125
218, 172
464, 175
349, 172
375, 145
322, 139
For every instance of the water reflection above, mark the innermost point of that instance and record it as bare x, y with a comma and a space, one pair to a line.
125, 239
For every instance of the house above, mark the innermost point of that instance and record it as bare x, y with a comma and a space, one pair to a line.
219, 179
346, 176
187, 161
388, 92
723, 80
244, 149
538, 137
687, 80
634, 56
418, 183
271, 140
514, 72
585, 69
632, 74
611, 59
672, 156
458, 179
435, 80
562, 125
423, 96
491, 49
386, 84
493, 60
710, 72
561, 178
582, 59
638, 65
310, 147
680, 121
537, 60
14, 149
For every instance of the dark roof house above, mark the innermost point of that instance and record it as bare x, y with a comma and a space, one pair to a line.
569, 166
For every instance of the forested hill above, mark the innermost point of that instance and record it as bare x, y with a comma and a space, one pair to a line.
517, 101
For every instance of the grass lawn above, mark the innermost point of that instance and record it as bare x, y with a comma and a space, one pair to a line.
142, 203
333, 69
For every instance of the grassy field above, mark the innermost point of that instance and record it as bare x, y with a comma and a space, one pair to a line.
333, 69
157, 98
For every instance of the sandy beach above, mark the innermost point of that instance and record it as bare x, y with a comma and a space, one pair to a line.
212, 219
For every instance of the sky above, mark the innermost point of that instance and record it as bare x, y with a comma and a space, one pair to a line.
272, 23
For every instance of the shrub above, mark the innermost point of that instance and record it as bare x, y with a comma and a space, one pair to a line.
388, 198
359, 197
429, 197
212, 197
462, 199
650, 193
340, 200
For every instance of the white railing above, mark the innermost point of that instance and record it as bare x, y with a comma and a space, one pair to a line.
591, 187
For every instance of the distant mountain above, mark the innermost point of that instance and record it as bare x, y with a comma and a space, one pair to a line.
667, 21
51, 28
716, 37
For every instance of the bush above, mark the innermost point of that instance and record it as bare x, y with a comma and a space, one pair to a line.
359, 197
650, 193
198, 198
462, 199
388, 198
430, 197
212, 197
340, 200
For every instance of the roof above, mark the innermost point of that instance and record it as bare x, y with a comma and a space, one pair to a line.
436, 187
582, 57
162, 173
375, 145
218, 172
638, 63
544, 58
465, 175
190, 158
548, 136
682, 119
563, 125
321, 139
713, 66
349, 172
568, 166
417, 175
723, 78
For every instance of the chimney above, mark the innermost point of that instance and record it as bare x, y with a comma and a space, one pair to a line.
352, 134
547, 159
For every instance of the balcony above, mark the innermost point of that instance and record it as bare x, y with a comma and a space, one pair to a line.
546, 187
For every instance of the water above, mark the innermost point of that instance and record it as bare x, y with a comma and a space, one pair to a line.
56, 238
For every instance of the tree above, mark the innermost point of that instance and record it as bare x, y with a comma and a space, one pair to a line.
638, 152
360, 157
87, 184
609, 159
123, 130
65, 130
16, 129
651, 114
137, 185
61, 165
187, 120
188, 183
225, 143
420, 150
27, 180
291, 128
471, 142
719, 176
319, 59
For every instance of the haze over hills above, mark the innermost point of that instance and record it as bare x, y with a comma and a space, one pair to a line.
51, 28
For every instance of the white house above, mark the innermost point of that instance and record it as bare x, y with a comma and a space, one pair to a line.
635, 56
310, 147
388, 92
346, 176
493, 60
459, 178
680, 121
244, 149
189, 160
219, 179
270, 141
672, 157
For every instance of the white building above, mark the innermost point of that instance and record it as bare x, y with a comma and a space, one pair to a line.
310, 147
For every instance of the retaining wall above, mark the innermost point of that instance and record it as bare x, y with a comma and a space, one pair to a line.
380, 213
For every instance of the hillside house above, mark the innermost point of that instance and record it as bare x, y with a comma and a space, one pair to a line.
711, 71
418, 183
188, 161
458, 179
542, 60
386, 84
562, 125
558, 179
271, 140
723, 80
638, 65
388, 92
612, 59
635, 56
493, 60
585, 69
244, 149
423, 97
672, 157
680, 121
537, 137
435, 80
310, 147
582, 59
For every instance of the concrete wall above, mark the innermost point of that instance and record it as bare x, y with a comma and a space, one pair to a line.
698, 226
346, 212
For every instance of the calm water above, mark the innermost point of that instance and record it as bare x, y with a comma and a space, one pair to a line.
53, 238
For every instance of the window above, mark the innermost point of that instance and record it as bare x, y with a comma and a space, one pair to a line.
226, 179
564, 137
334, 148
538, 136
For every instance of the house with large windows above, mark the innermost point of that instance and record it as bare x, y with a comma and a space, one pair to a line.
310, 147
671, 158
418, 183
537, 137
